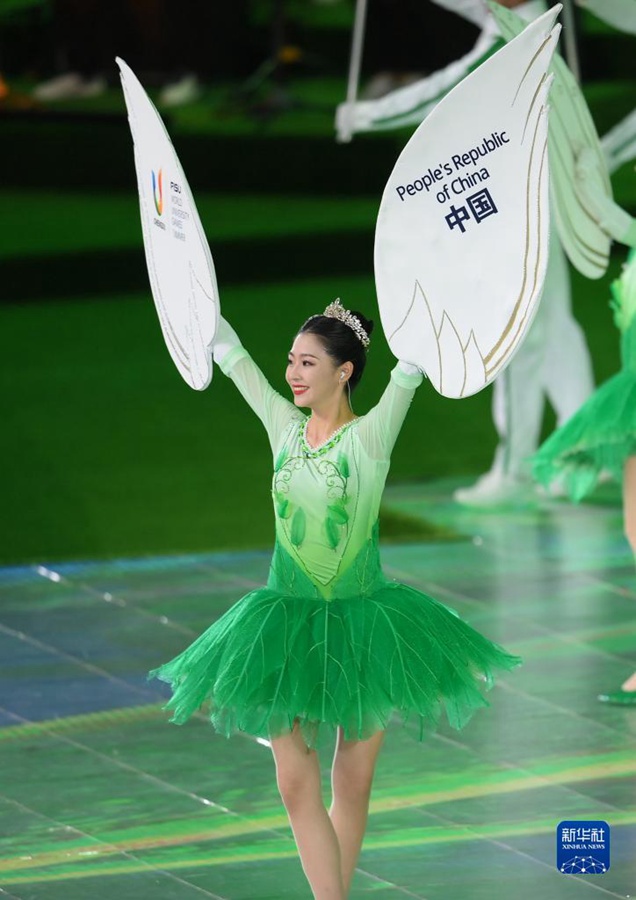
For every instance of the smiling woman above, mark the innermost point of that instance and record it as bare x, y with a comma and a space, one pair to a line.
329, 641
328, 355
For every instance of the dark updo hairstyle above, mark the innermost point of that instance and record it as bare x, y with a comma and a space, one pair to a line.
341, 342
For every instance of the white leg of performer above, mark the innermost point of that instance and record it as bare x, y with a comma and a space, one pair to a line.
518, 401
351, 779
553, 361
567, 367
517, 410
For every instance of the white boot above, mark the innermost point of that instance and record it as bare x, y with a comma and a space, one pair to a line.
493, 488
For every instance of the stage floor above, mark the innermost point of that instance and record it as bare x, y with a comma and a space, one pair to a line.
100, 797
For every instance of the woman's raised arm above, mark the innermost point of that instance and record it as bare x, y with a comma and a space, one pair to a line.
233, 359
378, 430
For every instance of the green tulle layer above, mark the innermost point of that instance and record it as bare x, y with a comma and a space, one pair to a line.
600, 436
276, 658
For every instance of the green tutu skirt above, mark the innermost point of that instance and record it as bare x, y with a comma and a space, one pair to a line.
283, 654
599, 437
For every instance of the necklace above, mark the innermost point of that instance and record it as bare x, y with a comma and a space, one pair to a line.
331, 441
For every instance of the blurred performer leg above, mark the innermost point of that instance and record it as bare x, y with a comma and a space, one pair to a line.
567, 368
626, 696
553, 362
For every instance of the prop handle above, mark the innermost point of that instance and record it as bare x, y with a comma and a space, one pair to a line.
355, 62
569, 38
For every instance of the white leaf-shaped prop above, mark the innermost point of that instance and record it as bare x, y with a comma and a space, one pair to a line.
461, 241
619, 13
179, 261
571, 132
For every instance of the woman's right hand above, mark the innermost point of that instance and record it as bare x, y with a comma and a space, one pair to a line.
410, 369
225, 339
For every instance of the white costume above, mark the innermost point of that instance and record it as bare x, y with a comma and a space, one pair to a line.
554, 361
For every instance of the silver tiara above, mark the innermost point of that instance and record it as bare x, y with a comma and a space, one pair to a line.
336, 310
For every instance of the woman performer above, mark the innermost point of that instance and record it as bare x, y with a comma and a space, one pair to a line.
329, 641
602, 436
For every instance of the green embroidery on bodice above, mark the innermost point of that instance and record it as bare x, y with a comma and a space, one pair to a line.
334, 475
312, 501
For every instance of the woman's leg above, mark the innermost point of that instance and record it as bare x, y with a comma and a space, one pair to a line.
629, 516
298, 776
629, 501
351, 780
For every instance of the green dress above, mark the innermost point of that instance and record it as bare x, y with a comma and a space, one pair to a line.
602, 433
330, 640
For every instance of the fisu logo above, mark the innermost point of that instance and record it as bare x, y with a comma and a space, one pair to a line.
157, 190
